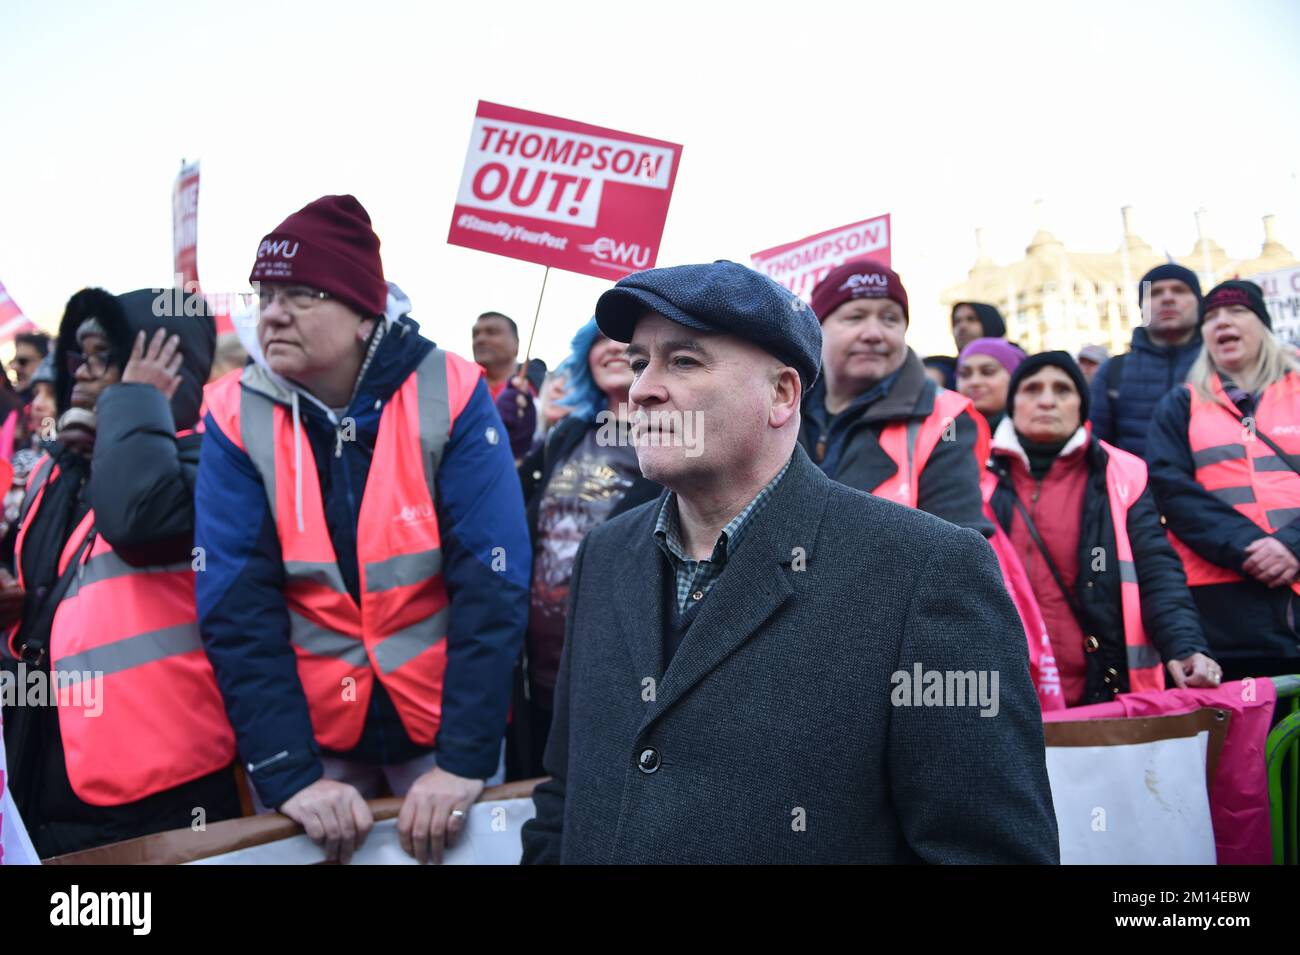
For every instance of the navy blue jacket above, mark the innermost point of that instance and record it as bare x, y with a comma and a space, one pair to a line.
1121, 410
241, 605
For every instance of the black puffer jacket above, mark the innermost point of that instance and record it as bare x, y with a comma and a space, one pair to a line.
140, 485
142, 477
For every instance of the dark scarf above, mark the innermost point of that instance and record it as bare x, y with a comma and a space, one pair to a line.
1040, 456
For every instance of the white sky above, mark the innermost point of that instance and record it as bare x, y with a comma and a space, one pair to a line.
795, 117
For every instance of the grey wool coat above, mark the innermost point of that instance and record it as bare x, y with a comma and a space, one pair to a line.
778, 733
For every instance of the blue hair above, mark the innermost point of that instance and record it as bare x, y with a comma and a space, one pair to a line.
581, 395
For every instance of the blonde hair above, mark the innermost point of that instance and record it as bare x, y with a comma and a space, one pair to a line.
1274, 362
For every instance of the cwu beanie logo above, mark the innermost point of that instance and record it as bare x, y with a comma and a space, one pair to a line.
327, 245
858, 278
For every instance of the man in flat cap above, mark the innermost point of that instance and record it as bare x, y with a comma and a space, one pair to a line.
764, 665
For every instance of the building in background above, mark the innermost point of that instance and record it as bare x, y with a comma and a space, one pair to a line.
1055, 297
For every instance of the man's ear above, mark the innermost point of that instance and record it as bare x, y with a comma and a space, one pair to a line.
787, 392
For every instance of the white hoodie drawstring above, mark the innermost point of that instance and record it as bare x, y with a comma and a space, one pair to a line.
297, 461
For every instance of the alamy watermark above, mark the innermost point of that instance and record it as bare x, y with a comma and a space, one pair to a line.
186, 300
41, 687
922, 687
651, 429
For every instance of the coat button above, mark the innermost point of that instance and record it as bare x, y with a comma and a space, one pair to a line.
1091, 644
648, 761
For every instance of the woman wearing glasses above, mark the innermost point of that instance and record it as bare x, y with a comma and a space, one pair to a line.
127, 734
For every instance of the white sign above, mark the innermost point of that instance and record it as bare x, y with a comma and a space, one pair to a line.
1140, 804
1282, 296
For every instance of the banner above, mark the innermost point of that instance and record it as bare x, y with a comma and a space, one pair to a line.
185, 225
563, 194
12, 319
491, 837
1134, 791
1239, 803
801, 264
1282, 298
15, 846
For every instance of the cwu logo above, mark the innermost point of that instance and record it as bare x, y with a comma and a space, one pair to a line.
862, 283
617, 253
415, 514
279, 248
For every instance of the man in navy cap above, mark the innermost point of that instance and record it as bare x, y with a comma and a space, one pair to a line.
1126, 389
744, 658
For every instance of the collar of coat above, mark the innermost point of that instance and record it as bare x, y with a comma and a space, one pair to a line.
759, 579
1006, 443
911, 396
1142, 341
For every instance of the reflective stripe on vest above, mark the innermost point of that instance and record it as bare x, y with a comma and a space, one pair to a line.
909, 444
1126, 479
1241, 470
398, 631
139, 709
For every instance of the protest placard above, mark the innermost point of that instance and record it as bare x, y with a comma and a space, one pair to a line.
801, 264
185, 225
1282, 298
563, 193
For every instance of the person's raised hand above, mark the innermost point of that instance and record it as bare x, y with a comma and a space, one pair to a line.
159, 364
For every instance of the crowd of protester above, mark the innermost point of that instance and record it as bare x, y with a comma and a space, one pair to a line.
338, 565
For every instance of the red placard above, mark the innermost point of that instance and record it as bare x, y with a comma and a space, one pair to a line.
185, 225
562, 193
801, 264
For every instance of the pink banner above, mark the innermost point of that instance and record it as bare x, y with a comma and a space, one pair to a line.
1239, 799
801, 264
562, 193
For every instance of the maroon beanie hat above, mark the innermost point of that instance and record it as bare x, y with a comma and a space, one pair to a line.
329, 245
861, 279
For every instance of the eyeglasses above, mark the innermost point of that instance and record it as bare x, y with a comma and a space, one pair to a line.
298, 298
96, 363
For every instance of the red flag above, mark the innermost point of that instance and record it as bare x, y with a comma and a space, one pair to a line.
12, 319
185, 225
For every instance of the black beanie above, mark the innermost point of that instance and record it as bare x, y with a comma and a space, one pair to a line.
1170, 270
989, 316
1036, 363
1238, 292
